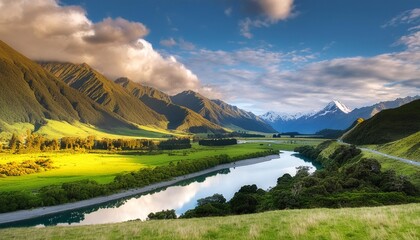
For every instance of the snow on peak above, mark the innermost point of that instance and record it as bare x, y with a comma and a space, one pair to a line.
341, 106
334, 106
275, 116
270, 116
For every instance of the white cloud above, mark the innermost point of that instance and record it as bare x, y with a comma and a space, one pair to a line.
407, 17
259, 80
228, 11
181, 43
276, 9
45, 30
268, 12
185, 45
170, 42
412, 41
117, 30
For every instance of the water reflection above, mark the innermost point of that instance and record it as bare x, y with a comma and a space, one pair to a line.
181, 197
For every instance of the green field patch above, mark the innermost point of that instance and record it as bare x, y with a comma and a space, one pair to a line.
103, 166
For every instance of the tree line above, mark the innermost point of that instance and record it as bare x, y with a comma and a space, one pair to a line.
36, 142
218, 142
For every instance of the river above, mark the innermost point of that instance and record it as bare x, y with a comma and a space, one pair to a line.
181, 196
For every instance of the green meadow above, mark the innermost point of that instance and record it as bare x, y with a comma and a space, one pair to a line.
390, 222
103, 166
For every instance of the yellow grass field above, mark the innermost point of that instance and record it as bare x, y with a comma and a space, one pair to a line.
103, 166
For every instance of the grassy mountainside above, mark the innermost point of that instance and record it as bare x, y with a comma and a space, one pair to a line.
387, 126
180, 118
408, 147
390, 222
105, 92
221, 113
30, 94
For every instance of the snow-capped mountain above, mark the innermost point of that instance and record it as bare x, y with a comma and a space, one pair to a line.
272, 116
336, 106
335, 115
333, 107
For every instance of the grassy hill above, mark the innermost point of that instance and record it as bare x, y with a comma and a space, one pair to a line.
408, 147
387, 126
180, 118
220, 113
29, 94
105, 92
390, 222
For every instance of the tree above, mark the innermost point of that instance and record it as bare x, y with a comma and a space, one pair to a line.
164, 214
243, 203
13, 143
216, 198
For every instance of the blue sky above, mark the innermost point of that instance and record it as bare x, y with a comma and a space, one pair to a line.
261, 55
351, 27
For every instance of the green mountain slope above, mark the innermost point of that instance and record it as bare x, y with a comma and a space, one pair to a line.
220, 112
105, 92
30, 94
408, 147
387, 126
180, 118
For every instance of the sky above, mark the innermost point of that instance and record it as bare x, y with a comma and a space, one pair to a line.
260, 55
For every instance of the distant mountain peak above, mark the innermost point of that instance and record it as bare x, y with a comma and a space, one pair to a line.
335, 105
189, 92
272, 116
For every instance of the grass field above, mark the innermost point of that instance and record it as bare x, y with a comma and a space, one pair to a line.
389, 222
103, 167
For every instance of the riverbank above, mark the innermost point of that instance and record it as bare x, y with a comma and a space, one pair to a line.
38, 212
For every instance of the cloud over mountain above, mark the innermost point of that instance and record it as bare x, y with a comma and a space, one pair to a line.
311, 83
45, 30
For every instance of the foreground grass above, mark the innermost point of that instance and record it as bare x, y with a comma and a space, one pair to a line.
103, 167
390, 222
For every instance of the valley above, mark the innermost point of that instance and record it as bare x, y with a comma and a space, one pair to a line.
250, 119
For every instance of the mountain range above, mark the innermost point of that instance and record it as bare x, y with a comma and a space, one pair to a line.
221, 113
29, 93
34, 93
335, 115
